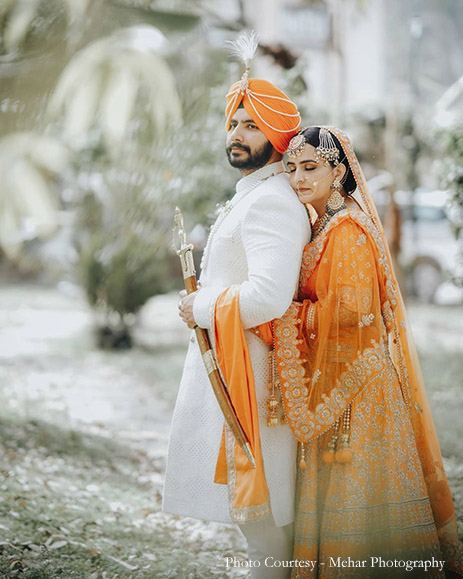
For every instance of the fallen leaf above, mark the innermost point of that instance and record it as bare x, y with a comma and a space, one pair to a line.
58, 545
122, 563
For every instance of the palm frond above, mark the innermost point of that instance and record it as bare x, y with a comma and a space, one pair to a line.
19, 23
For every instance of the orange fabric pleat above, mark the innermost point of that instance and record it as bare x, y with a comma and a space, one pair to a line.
235, 364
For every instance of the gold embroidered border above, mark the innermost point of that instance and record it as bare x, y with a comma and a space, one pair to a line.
310, 319
239, 515
305, 424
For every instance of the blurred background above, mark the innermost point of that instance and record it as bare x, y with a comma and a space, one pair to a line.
111, 114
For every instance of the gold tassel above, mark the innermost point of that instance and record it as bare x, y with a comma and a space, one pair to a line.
272, 405
272, 402
344, 455
329, 454
302, 463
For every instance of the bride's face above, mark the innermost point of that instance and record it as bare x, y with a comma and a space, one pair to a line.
311, 179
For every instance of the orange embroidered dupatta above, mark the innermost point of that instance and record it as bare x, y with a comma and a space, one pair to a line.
348, 366
247, 487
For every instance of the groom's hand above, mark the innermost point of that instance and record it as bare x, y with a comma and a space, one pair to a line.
185, 308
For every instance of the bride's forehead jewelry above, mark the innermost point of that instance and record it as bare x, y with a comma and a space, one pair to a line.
326, 151
296, 144
327, 147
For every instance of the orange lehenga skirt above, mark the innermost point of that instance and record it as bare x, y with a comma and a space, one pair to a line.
375, 506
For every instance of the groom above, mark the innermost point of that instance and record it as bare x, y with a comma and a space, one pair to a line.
257, 243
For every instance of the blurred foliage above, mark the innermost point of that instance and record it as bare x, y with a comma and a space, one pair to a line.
451, 169
30, 167
116, 105
115, 86
125, 199
122, 245
30, 21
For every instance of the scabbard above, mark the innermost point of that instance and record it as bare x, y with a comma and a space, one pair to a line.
185, 253
218, 386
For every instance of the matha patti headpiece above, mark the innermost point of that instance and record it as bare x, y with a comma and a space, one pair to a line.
327, 147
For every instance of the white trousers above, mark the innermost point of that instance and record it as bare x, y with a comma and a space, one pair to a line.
268, 547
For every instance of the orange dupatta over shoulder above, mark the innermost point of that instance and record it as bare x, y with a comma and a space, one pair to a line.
247, 487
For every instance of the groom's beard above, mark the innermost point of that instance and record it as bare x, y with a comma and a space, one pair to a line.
254, 160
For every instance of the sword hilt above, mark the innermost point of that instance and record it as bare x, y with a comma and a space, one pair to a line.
183, 249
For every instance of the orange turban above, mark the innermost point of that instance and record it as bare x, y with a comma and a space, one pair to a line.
272, 111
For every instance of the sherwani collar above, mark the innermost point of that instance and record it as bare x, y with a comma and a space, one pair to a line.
251, 181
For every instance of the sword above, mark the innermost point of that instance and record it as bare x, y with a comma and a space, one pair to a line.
185, 252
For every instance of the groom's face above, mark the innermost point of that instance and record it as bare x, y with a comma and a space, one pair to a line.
247, 147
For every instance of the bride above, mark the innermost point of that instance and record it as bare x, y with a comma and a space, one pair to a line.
371, 482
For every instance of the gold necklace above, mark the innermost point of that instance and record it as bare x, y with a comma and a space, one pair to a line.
321, 221
320, 224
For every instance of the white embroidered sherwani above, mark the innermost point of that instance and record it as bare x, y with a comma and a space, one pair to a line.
257, 242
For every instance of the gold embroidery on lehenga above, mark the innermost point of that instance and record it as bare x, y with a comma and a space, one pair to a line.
355, 299
306, 424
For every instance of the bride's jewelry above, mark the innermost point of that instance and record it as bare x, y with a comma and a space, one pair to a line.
327, 147
334, 204
336, 200
296, 144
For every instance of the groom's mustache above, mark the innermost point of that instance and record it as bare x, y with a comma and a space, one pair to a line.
238, 146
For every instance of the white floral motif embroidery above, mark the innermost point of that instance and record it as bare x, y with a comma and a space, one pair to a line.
366, 320
361, 239
316, 376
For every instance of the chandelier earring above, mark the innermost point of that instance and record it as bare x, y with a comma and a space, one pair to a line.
336, 185
336, 200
